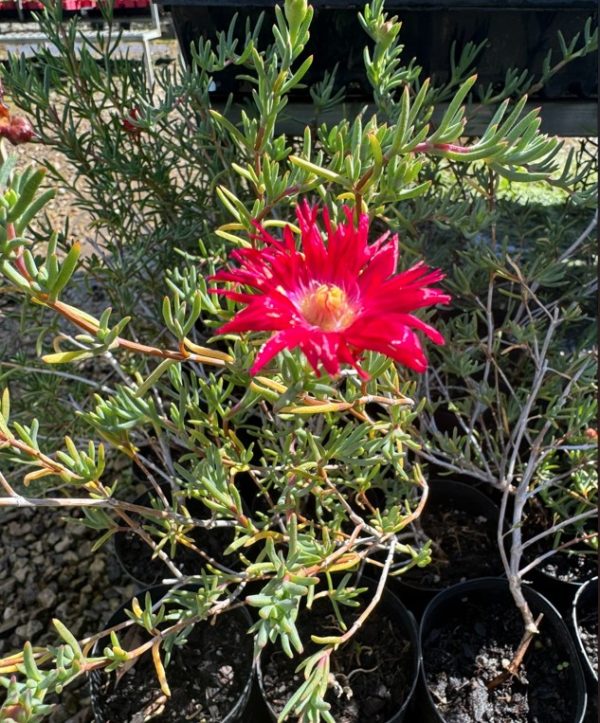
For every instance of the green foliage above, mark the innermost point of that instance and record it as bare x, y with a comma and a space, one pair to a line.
314, 477
513, 394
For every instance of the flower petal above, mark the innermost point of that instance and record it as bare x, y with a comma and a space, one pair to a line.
286, 339
403, 320
399, 343
263, 314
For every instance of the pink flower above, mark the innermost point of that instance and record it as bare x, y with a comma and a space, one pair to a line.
332, 300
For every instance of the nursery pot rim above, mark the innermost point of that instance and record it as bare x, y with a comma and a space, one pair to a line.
578, 595
479, 583
160, 590
413, 634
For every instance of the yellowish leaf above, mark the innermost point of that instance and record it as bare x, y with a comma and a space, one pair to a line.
64, 357
317, 408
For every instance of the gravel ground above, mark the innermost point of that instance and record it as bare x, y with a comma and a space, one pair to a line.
48, 570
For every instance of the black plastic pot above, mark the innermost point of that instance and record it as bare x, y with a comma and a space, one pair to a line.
393, 608
518, 37
96, 678
519, 32
586, 597
559, 592
453, 600
445, 493
155, 570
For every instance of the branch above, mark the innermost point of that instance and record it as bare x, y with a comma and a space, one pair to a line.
555, 528
207, 356
514, 665
374, 600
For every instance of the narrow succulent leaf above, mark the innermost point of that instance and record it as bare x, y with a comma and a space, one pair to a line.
66, 270
65, 357
319, 171
67, 636
27, 194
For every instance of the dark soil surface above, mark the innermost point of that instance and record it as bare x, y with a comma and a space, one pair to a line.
587, 624
575, 565
373, 672
570, 566
206, 678
136, 556
473, 646
464, 547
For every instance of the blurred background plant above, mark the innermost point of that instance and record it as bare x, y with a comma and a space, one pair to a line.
517, 375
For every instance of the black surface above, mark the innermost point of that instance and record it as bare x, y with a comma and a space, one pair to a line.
518, 38
394, 4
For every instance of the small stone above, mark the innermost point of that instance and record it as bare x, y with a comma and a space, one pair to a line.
9, 613
84, 550
225, 675
14, 642
76, 627
70, 557
46, 598
479, 701
30, 594
27, 631
64, 579
6, 588
98, 566
63, 545
7, 627
50, 572
62, 610
14, 529
20, 574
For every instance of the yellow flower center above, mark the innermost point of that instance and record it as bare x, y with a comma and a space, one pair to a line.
327, 307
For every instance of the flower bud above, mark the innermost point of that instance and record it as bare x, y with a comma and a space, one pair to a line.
17, 129
386, 33
295, 13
